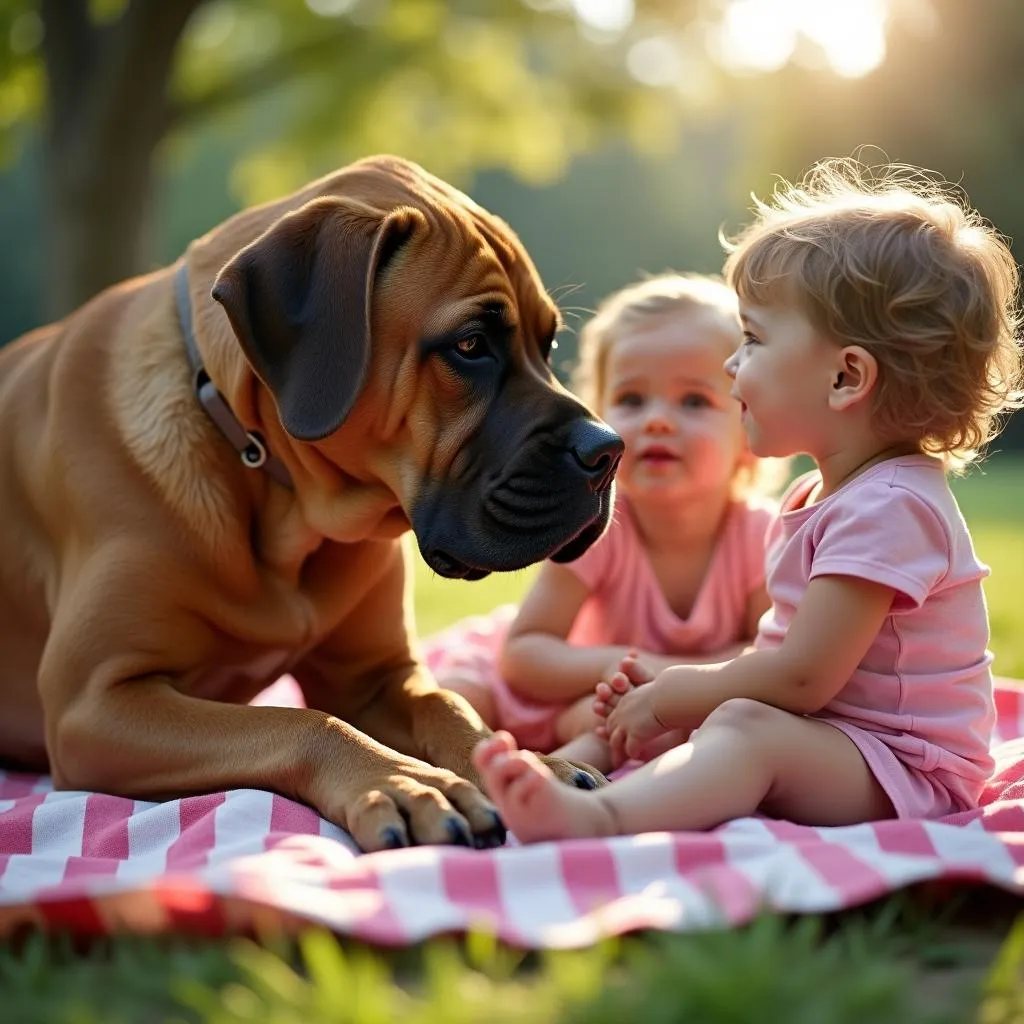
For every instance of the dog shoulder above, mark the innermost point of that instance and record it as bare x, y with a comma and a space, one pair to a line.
158, 417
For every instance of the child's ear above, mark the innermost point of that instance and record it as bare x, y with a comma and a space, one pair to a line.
855, 378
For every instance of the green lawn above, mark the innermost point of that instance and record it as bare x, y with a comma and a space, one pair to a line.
913, 959
993, 504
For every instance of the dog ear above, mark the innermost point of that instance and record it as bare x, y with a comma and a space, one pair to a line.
299, 299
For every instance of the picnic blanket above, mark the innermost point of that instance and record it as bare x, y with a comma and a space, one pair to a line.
251, 861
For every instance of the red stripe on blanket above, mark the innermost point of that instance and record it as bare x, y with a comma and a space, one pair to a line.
910, 838
589, 873
190, 907
836, 865
702, 860
76, 914
379, 921
287, 818
197, 835
16, 825
15, 785
104, 838
470, 881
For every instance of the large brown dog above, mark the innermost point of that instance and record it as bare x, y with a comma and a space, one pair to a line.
385, 340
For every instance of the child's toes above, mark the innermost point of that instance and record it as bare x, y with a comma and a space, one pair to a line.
525, 787
500, 743
509, 767
620, 684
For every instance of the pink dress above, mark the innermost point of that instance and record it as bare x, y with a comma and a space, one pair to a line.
919, 707
625, 607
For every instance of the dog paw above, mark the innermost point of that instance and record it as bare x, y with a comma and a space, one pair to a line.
575, 773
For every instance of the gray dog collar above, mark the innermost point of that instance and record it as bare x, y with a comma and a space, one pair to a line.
251, 447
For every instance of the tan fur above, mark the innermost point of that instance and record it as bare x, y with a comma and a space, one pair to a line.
153, 401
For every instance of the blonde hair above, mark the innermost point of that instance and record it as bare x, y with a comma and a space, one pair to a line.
897, 262
654, 300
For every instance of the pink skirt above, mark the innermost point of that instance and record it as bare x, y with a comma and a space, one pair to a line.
469, 650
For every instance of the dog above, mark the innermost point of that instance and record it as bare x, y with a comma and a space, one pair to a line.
205, 478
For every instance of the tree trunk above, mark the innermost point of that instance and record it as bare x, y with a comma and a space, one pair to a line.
98, 209
107, 112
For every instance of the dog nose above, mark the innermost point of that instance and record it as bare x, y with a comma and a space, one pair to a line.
597, 450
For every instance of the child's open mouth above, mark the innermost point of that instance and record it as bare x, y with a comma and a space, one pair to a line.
658, 455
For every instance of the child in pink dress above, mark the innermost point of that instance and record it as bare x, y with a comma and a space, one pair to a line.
879, 339
680, 573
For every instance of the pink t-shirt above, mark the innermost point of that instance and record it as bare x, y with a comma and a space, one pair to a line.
627, 607
919, 706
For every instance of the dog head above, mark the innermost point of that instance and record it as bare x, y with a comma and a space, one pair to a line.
405, 336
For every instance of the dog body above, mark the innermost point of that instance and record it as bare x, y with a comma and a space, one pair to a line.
387, 340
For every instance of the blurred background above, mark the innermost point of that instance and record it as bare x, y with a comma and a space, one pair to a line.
616, 136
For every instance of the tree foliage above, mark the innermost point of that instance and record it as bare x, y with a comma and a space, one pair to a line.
520, 85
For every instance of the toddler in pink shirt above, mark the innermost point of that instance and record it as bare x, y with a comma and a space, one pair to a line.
880, 322
679, 576
918, 706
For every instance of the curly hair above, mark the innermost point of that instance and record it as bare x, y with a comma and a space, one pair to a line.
898, 262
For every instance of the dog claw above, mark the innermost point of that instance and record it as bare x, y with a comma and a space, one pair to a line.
459, 833
584, 780
393, 838
495, 835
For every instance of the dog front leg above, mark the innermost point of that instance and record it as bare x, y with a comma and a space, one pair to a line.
143, 739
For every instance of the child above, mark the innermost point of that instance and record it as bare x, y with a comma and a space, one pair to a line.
879, 339
680, 573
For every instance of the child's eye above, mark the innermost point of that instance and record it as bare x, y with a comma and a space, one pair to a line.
695, 401
630, 399
749, 339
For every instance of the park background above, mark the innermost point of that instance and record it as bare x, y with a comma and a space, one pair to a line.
617, 137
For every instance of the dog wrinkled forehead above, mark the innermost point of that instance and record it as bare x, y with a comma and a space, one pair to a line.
459, 225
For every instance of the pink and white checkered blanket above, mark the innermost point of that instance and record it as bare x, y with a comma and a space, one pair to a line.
247, 860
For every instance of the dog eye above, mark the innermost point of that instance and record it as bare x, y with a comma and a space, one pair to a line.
474, 346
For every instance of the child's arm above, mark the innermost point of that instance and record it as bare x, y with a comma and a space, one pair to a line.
831, 632
835, 625
537, 661
757, 604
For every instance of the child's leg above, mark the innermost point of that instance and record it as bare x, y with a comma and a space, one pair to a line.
746, 756
576, 719
479, 695
574, 728
589, 748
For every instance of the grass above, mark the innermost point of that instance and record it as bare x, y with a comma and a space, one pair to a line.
911, 959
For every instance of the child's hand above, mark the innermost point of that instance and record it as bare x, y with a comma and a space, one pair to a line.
626, 705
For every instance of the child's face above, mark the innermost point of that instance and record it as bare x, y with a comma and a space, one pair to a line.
782, 376
667, 395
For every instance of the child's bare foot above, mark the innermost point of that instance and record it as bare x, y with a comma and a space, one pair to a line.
532, 802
